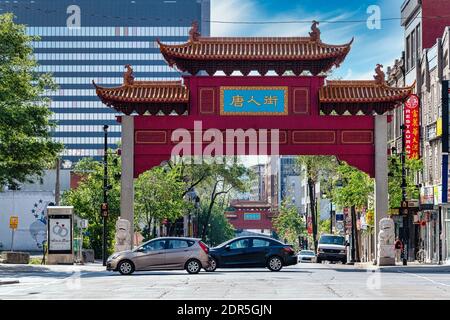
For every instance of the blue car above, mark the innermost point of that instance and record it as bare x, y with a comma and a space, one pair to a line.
252, 252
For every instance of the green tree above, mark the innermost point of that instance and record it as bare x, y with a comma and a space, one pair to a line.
159, 195
413, 167
290, 225
324, 226
356, 188
316, 167
88, 197
26, 148
218, 228
222, 178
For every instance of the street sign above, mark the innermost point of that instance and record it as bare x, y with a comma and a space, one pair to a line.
104, 209
13, 222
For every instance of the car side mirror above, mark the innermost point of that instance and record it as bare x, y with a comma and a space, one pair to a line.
140, 249
227, 247
347, 244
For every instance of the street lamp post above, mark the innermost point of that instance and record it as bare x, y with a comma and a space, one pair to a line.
105, 193
404, 196
331, 216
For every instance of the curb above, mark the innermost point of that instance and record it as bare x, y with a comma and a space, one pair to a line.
9, 282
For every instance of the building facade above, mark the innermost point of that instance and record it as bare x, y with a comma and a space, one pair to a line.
425, 61
85, 40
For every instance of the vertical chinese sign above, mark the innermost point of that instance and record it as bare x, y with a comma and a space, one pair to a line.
411, 116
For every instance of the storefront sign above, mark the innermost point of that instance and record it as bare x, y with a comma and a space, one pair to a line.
310, 226
254, 100
437, 190
427, 195
411, 115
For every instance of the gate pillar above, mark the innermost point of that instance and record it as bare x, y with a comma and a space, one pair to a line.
381, 175
126, 180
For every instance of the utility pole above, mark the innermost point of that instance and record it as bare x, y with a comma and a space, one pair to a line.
403, 186
57, 182
104, 209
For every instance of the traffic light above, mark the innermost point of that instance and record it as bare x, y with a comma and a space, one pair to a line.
104, 210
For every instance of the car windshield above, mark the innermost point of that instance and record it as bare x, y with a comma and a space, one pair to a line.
340, 241
307, 253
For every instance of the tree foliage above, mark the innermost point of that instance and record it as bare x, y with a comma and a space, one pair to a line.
316, 167
88, 197
413, 166
356, 187
159, 195
220, 180
26, 148
290, 225
218, 228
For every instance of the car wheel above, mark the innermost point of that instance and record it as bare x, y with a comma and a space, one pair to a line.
212, 265
274, 263
125, 267
344, 261
193, 266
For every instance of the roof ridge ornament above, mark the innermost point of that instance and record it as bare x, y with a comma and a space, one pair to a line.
315, 31
379, 76
128, 77
194, 33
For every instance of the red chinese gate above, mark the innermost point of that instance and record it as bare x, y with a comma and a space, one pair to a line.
341, 118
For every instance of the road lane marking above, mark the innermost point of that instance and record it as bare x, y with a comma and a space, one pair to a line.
425, 278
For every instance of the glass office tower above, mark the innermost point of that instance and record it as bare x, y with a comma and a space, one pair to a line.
85, 40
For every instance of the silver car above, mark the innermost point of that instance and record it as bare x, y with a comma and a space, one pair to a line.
162, 254
306, 256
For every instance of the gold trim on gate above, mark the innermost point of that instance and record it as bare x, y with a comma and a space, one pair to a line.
285, 108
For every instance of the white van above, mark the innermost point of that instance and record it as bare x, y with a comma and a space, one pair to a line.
332, 248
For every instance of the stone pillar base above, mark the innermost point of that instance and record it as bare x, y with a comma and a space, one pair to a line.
386, 261
59, 259
15, 257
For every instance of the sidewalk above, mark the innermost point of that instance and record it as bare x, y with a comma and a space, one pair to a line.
411, 267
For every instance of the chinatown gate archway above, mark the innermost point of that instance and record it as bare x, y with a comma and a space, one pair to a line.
313, 116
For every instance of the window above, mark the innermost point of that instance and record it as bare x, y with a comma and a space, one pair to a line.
154, 245
252, 216
178, 244
240, 244
413, 49
408, 53
260, 243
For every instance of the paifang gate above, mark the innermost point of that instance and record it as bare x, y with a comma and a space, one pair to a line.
313, 116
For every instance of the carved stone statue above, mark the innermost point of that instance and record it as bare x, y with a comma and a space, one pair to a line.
315, 31
194, 33
379, 76
386, 237
123, 236
128, 78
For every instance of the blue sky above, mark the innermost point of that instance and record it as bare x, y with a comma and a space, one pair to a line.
369, 48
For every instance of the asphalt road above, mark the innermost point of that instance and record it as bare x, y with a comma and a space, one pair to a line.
303, 281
